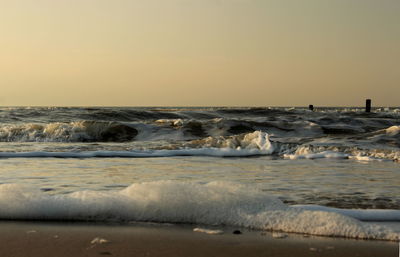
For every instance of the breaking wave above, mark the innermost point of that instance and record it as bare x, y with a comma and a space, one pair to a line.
214, 203
342, 152
256, 143
80, 131
293, 133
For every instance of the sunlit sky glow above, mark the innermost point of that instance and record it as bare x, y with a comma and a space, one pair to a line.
199, 52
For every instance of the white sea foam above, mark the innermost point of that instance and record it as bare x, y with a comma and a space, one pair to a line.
364, 158
209, 231
338, 151
172, 122
214, 203
279, 235
99, 240
325, 154
256, 143
393, 130
217, 152
360, 214
77, 131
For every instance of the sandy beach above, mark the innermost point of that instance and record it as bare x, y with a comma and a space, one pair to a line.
93, 239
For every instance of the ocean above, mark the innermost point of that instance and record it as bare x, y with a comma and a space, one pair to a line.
328, 172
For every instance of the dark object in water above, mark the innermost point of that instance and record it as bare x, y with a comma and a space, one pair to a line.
368, 105
237, 232
311, 107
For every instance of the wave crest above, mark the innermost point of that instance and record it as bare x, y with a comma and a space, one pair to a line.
257, 140
214, 203
79, 131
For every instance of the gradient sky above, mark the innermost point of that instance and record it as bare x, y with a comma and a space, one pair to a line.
199, 52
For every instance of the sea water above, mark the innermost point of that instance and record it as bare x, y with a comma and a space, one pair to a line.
332, 172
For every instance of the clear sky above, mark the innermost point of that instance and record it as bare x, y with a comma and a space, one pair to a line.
199, 52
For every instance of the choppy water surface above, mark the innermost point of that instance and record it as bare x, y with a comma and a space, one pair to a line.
294, 133
335, 157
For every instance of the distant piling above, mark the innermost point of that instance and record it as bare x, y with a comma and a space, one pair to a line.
311, 107
368, 105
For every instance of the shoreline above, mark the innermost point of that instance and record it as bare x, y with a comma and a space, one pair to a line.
26, 238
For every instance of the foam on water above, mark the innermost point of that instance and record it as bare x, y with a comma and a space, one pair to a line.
347, 131
209, 231
242, 145
256, 143
360, 214
214, 203
78, 131
256, 140
325, 154
339, 151
172, 122
393, 130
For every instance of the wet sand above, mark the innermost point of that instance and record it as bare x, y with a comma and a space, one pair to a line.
39, 239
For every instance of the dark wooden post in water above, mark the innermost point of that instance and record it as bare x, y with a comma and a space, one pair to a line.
311, 107
368, 105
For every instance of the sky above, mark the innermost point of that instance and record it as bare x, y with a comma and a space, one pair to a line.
199, 52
